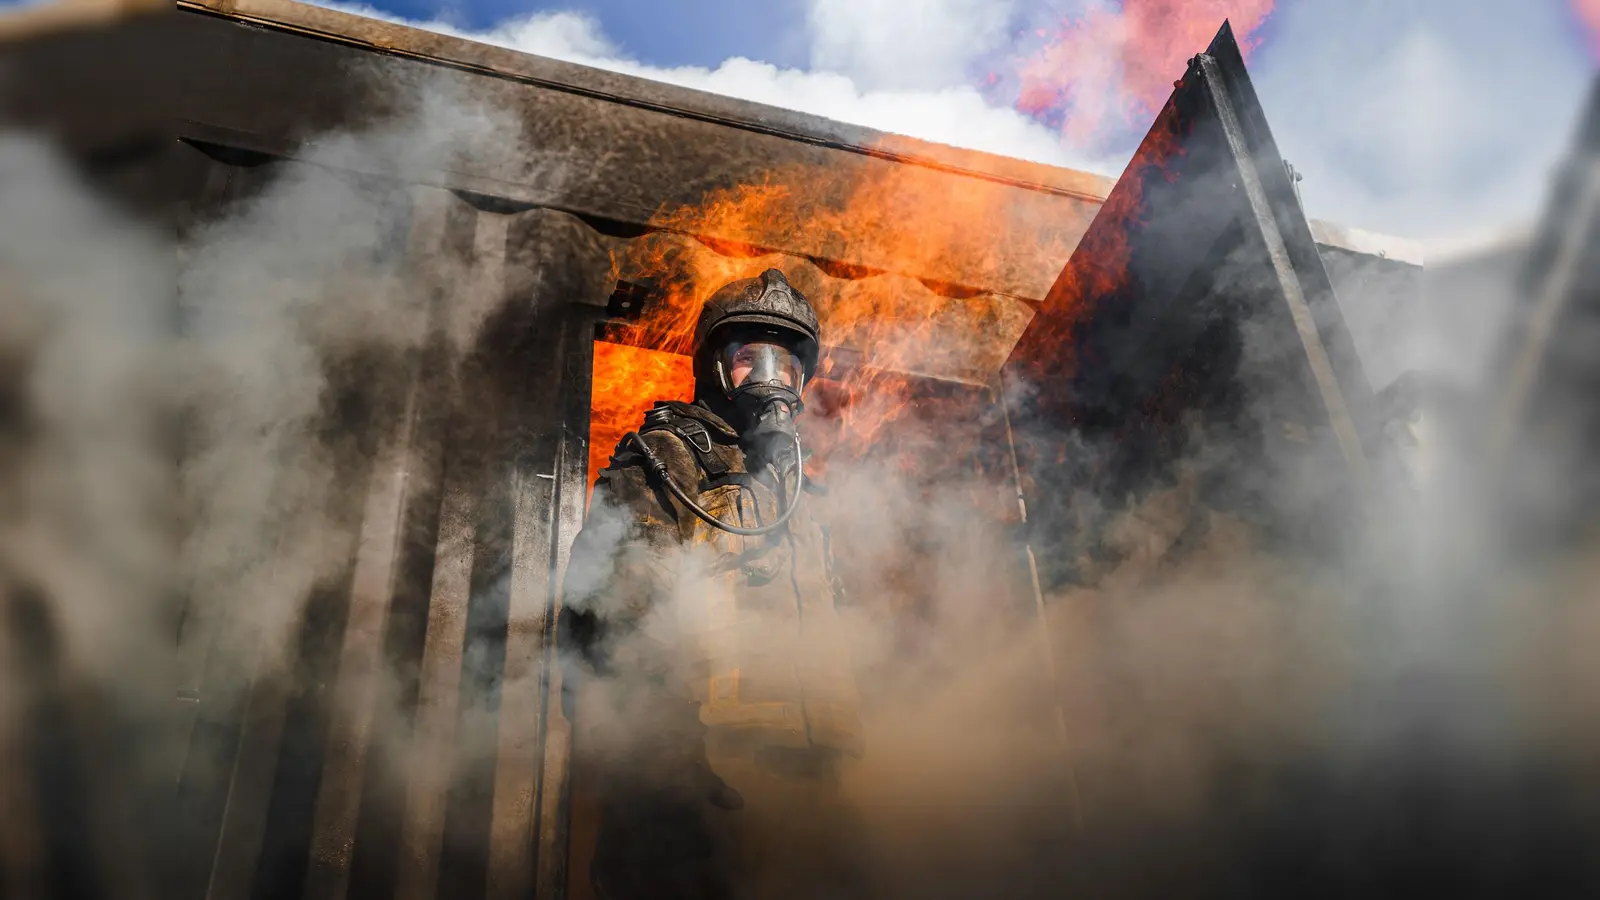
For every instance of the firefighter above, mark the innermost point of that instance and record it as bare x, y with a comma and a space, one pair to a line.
704, 600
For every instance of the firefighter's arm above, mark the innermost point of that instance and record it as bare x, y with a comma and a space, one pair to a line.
620, 585
623, 561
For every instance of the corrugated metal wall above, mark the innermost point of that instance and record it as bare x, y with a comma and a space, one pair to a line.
403, 734
404, 744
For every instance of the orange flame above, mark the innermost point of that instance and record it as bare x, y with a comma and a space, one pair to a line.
862, 228
1113, 68
627, 382
871, 244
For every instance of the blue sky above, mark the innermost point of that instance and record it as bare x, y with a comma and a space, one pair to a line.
660, 33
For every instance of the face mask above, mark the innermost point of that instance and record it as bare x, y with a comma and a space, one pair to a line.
750, 363
764, 380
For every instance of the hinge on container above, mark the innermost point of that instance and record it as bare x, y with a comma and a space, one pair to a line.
1294, 180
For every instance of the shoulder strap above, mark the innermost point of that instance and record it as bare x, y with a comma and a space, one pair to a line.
693, 434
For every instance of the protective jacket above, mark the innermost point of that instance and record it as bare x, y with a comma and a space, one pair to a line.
695, 633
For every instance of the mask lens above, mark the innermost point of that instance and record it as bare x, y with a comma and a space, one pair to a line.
763, 362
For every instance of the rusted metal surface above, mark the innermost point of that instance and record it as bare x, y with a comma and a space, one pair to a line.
444, 647
593, 153
404, 468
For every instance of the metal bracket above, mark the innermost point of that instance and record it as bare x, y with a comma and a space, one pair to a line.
695, 434
1294, 179
629, 298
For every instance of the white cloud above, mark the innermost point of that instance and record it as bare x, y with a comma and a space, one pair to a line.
1437, 119
569, 36
892, 44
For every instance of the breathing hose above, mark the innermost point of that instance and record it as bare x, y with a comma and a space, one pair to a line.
659, 468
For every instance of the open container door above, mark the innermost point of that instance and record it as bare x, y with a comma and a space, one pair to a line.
1193, 339
1543, 435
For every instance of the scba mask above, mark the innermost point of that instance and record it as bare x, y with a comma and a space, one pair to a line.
763, 377
762, 361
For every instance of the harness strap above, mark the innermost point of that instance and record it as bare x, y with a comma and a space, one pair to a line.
693, 434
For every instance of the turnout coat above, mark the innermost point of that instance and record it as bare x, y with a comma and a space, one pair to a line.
690, 636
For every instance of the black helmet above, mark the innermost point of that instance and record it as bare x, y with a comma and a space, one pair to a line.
766, 326
768, 301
